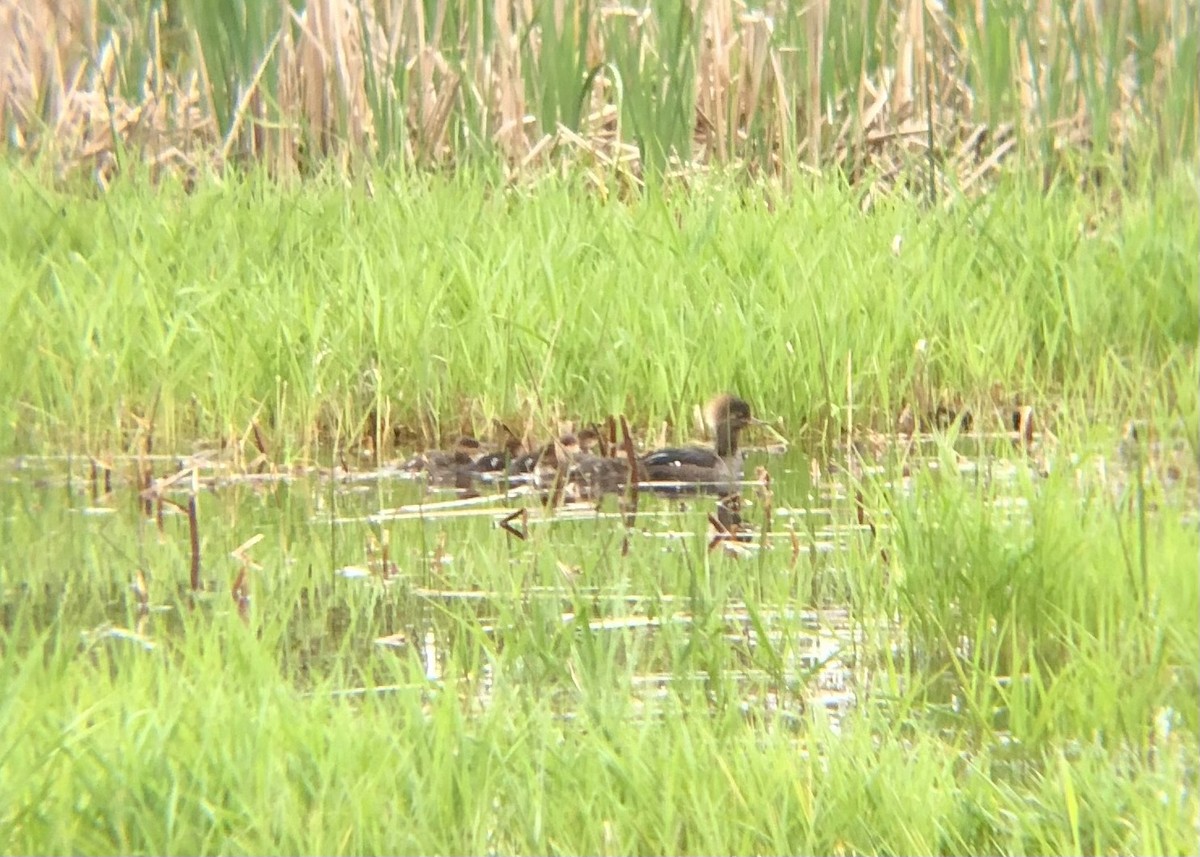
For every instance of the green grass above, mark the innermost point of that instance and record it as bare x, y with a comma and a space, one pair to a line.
538, 738
318, 308
1025, 670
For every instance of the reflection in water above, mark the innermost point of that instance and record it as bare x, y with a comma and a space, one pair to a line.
748, 600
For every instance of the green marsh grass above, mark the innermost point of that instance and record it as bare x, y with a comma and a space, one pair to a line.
955, 647
440, 304
1017, 688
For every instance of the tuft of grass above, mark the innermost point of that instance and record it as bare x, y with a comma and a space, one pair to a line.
1046, 589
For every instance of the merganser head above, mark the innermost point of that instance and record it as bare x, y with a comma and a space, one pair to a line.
726, 410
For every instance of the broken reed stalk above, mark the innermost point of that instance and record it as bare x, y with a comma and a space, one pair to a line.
154, 494
553, 498
260, 442
146, 480
860, 507
194, 535
767, 498
506, 524
794, 538
240, 592
385, 554
720, 532
631, 499
97, 468
141, 592
729, 512
608, 438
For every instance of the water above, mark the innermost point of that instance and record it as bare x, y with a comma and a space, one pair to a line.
371, 582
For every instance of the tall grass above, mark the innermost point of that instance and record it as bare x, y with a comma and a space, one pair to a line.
1048, 591
876, 88
439, 304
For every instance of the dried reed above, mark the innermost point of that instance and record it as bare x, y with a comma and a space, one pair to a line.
878, 90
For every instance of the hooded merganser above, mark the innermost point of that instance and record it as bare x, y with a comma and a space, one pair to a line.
595, 475
546, 457
591, 476
461, 454
498, 461
452, 466
718, 467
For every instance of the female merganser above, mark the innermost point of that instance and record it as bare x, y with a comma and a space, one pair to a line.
717, 468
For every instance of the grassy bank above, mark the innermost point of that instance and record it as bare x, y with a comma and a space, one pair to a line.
436, 304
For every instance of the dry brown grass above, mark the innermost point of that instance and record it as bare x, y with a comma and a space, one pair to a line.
61, 94
338, 77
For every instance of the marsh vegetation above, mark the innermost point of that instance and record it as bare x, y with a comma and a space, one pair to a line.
256, 255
